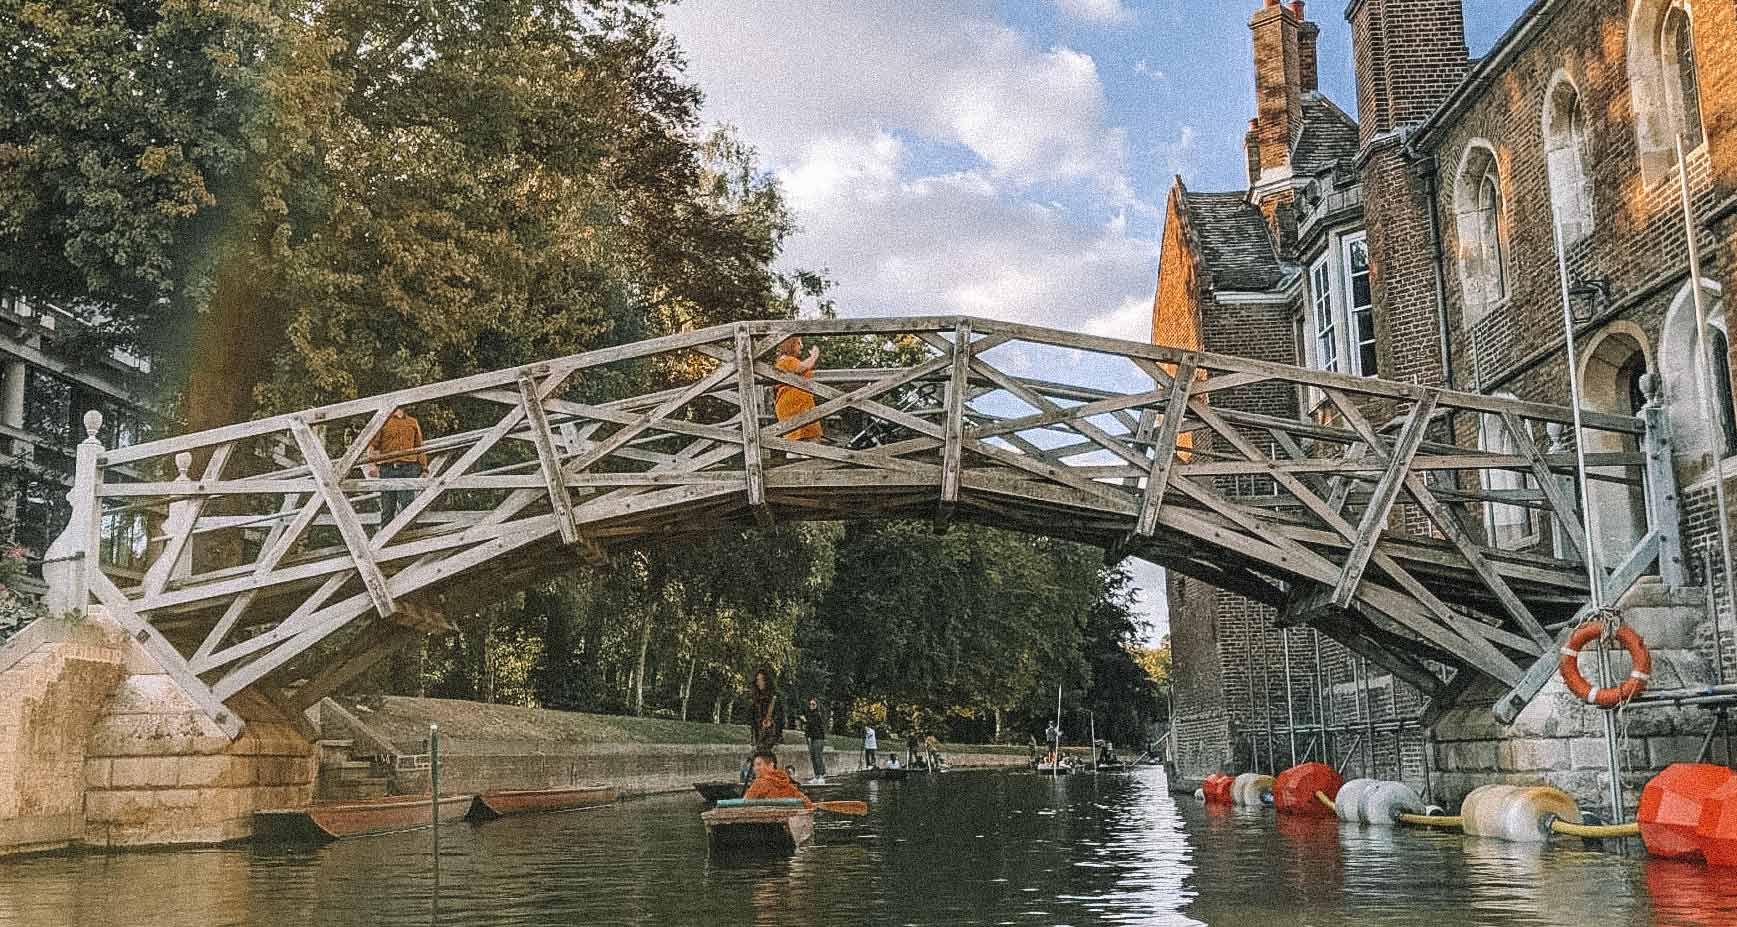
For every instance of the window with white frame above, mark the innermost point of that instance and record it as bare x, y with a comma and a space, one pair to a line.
1565, 162
1511, 525
1665, 82
1360, 305
1697, 438
1478, 203
1326, 330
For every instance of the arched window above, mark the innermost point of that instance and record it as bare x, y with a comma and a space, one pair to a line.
1509, 525
1680, 362
1478, 202
1665, 81
1565, 158
1682, 87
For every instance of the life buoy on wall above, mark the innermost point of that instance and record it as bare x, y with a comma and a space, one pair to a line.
1635, 684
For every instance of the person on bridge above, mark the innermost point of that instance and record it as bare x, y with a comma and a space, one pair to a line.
766, 719
787, 400
772, 782
814, 725
398, 454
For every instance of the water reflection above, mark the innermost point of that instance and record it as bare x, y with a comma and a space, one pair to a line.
962, 848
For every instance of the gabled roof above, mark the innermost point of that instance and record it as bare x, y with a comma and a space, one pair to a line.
1236, 246
1329, 136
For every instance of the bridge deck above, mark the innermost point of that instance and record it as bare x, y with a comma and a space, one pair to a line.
252, 556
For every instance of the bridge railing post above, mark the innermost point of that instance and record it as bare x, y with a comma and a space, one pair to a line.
1661, 481
69, 560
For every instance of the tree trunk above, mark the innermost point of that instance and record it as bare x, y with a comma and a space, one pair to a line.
688, 687
639, 668
488, 659
718, 708
997, 737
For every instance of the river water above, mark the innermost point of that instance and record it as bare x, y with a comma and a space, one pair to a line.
958, 848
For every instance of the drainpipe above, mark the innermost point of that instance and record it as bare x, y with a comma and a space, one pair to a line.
1424, 169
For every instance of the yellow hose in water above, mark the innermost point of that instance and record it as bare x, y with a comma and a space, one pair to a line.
1596, 831
1431, 820
1323, 799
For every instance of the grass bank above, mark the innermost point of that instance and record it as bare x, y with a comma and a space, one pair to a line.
405, 720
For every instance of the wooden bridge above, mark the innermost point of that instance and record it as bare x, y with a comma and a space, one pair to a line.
251, 557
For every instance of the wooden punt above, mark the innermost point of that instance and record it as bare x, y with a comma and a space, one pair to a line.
759, 828
888, 772
714, 792
504, 802
323, 822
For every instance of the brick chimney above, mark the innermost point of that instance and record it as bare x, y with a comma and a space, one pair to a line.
1308, 37
1409, 55
1278, 83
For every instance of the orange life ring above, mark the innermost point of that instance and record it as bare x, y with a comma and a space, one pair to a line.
1635, 684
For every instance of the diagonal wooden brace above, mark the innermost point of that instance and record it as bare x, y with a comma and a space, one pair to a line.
349, 526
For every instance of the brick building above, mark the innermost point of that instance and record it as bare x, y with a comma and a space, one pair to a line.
1419, 244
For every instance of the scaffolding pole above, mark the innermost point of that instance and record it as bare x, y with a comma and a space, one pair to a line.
1290, 707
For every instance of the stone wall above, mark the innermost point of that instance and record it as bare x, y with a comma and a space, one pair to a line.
157, 771
99, 748
55, 678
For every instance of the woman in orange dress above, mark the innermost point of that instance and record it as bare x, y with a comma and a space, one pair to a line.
788, 401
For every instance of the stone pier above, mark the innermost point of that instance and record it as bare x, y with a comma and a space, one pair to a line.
101, 749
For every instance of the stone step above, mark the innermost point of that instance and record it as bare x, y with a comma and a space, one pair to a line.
353, 790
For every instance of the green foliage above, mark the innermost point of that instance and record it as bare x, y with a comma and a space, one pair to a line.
16, 610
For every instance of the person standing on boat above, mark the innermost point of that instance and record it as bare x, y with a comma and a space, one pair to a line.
772, 782
911, 748
766, 718
868, 746
814, 724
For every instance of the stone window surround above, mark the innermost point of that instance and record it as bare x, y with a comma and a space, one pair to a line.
1678, 340
1566, 156
1480, 167
1657, 116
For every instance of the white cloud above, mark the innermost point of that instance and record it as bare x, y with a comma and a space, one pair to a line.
950, 73
1096, 11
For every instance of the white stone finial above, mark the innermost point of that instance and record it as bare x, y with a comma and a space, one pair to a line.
93, 423
183, 461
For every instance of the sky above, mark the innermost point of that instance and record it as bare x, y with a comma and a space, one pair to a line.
999, 158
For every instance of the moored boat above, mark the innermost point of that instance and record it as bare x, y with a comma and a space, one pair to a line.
323, 822
714, 792
503, 802
772, 825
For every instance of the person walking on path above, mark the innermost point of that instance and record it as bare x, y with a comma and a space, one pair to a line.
398, 454
788, 401
814, 724
868, 746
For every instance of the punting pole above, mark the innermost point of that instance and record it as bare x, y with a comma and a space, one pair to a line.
1290, 705
1093, 717
1710, 418
434, 799
1055, 762
1594, 565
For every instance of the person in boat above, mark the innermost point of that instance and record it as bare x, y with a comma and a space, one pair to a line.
766, 718
868, 746
772, 782
814, 725
789, 401
933, 748
911, 748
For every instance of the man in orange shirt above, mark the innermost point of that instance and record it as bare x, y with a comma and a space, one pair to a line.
772, 782
397, 450
788, 401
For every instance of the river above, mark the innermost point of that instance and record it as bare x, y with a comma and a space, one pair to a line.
958, 848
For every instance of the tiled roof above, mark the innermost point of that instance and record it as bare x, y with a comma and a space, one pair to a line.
1329, 136
1235, 242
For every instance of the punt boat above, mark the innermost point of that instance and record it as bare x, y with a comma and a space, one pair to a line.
716, 791
504, 802
323, 822
764, 825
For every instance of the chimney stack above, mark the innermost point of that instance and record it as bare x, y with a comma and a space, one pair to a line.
1283, 71
1409, 54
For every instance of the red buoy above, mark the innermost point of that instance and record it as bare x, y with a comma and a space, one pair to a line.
1217, 788
1672, 806
1294, 790
1717, 830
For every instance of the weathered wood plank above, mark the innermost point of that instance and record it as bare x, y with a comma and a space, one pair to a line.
549, 461
1387, 489
339, 506
953, 442
1164, 453
753, 458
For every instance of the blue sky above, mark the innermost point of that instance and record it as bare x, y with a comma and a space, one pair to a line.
999, 158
